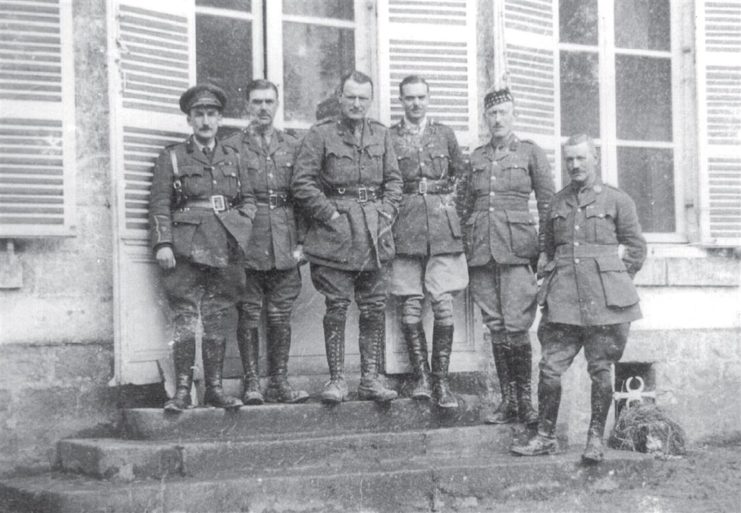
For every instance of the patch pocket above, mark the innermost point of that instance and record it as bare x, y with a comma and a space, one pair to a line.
453, 221
184, 226
523, 236
616, 283
600, 224
194, 181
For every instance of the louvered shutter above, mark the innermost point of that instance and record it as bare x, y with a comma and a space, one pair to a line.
150, 65
530, 41
719, 106
37, 125
437, 40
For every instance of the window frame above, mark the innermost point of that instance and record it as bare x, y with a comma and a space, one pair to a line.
607, 140
364, 25
258, 44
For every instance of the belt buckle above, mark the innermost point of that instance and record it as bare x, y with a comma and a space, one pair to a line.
362, 194
273, 201
218, 203
422, 186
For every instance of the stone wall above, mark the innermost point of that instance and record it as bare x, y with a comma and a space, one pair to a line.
56, 331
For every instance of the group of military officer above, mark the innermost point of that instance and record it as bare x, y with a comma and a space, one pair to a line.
378, 211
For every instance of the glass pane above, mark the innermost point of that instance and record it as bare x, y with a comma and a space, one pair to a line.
340, 9
644, 98
578, 20
647, 175
236, 5
224, 57
643, 24
580, 94
314, 59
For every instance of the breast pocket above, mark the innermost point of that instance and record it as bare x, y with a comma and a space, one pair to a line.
374, 155
340, 162
518, 178
558, 219
195, 181
227, 182
600, 224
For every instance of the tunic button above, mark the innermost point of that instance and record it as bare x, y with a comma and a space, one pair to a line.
576, 243
214, 182
576, 260
493, 177
492, 194
576, 227
268, 159
422, 164
491, 209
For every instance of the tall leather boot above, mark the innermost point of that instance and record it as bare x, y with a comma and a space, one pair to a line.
213, 362
335, 391
544, 442
279, 347
520, 361
601, 399
184, 354
414, 335
249, 343
506, 412
372, 334
442, 346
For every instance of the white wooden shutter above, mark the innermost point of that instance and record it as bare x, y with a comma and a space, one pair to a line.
437, 40
37, 125
719, 107
531, 42
150, 64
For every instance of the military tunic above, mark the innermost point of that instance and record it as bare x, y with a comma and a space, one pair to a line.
360, 180
587, 283
500, 235
271, 269
206, 243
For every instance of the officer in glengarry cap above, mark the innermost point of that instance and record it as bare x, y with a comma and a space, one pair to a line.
502, 243
200, 213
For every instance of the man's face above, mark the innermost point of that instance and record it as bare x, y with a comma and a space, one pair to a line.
415, 99
581, 162
205, 123
355, 100
500, 118
262, 105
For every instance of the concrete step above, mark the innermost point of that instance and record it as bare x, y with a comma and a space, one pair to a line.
289, 420
419, 485
135, 459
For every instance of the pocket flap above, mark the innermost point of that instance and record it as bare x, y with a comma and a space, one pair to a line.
610, 264
186, 217
191, 170
519, 217
595, 211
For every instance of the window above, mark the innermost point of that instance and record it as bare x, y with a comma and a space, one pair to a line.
303, 46
618, 83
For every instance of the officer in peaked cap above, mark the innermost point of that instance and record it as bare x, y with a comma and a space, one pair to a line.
203, 95
200, 214
502, 240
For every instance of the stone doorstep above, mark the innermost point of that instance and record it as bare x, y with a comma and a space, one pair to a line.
282, 420
127, 460
431, 484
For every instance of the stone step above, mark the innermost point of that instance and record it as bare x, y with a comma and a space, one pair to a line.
288, 420
135, 459
419, 485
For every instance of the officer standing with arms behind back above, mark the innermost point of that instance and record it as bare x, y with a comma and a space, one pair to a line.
274, 252
587, 295
348, 183
429, 248
201, 211
502, 242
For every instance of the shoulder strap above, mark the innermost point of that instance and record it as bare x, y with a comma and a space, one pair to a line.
174, 160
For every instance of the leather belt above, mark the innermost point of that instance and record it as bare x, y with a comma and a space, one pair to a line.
578, 249
217, 203
425, 186
273, 200
359, 193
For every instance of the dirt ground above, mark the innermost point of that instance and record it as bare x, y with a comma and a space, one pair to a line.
707, 479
